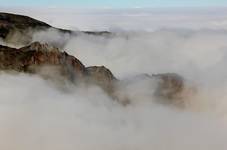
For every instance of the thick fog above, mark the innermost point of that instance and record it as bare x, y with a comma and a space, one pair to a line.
43, 115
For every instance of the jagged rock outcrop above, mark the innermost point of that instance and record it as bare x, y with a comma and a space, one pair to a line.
49, 62
34, 57
27, 59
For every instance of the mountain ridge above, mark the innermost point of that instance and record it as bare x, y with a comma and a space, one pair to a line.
33, 57
25, 27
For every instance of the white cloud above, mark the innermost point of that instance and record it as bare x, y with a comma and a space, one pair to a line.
129, 19
38, 114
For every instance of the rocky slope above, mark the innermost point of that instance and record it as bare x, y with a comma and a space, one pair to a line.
36, 57
13, 25
10, 23
51, 63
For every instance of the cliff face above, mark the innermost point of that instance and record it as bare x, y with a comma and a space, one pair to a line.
36, 54
27, 59
49, 62
34, 57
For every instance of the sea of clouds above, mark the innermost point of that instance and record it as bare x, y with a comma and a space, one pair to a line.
41, 115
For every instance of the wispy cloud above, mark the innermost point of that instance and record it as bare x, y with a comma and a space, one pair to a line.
37, 114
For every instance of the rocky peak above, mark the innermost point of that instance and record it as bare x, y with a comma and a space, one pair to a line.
34, 57
26, 58
37, 58
36, 46
100, 72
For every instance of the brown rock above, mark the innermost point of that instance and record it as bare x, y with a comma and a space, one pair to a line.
34, 57
27, 58
170, 85
101, 75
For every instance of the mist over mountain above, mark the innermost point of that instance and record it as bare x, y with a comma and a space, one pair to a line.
138, 85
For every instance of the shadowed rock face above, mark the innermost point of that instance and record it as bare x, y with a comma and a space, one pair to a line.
100, 75
19, 21
13, 26
170, 89
103, 77
170, 85
11, 22
16, 25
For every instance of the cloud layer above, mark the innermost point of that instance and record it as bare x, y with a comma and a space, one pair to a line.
41, 115
128, 19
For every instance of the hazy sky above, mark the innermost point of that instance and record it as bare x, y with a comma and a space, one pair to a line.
115, 3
